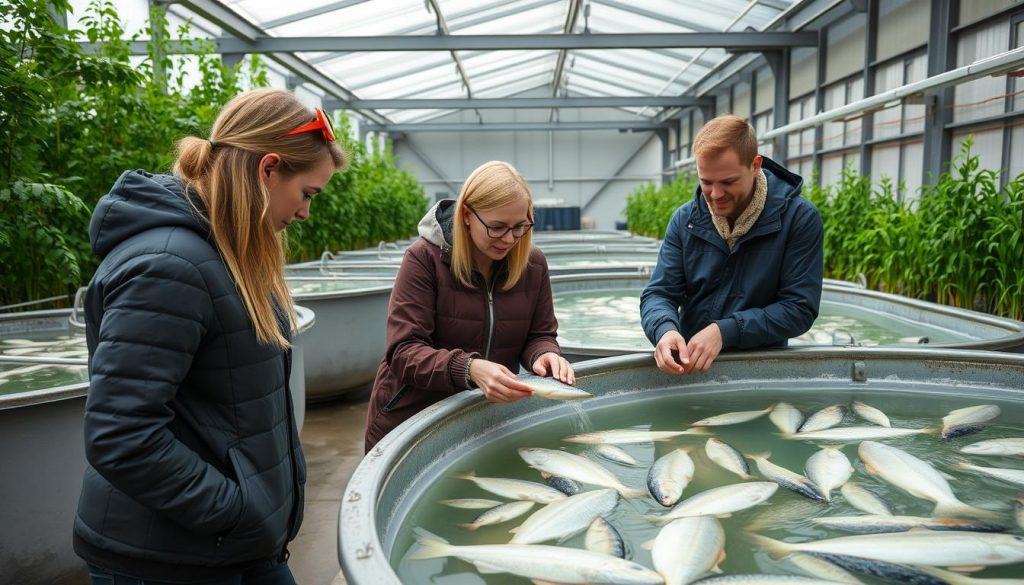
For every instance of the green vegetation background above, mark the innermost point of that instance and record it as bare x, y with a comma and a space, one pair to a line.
71, 122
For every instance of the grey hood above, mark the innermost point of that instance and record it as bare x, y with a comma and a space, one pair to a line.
138, 202
436, 225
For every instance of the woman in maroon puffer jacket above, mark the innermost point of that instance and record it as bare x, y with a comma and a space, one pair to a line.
471, 302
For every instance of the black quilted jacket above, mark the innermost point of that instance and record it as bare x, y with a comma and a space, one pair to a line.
194, 458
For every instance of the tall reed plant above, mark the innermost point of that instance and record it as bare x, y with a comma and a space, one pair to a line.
649, 208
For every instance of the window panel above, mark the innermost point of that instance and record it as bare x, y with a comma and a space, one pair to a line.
975, 99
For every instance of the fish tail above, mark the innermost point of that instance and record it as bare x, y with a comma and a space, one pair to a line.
628, 492
756, 456
699, 431
776, 549
957, 508
431, 545
465, 475
470, 527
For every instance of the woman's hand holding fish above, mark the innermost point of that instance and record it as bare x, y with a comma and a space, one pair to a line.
556, 366
497, 382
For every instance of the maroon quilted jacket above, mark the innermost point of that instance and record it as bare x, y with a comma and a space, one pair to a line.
435, 324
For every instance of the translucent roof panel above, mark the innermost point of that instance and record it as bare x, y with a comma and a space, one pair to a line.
502, 73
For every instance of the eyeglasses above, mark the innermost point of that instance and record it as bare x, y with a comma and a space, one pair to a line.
322, 122
498, 232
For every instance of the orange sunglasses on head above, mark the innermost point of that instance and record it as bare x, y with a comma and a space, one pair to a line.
322, 122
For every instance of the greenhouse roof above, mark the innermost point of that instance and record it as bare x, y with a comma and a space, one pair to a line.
412, 61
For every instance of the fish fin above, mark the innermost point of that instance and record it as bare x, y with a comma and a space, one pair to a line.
870, 468
465, 475
431, 545
756, 456
721, 559
698, 431
776, 549
957, 508
648, 545
966, 568
470, 527
487, 569
545, 474
632, 493
745, 476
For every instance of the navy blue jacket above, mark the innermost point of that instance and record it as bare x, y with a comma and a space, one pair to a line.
194, 458
764, 292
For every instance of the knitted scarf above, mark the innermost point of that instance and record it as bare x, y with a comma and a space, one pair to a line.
746, 219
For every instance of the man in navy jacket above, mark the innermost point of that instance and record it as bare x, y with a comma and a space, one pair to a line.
741, 263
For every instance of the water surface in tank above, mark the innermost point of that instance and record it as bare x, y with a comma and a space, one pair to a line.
611, 318
784, 516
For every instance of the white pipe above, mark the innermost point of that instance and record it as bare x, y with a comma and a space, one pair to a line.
995, 65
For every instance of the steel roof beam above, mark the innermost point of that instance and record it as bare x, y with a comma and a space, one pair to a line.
311, 13
621, 125
526, 103
733, 41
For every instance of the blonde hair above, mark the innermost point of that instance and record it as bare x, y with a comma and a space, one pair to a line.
493, 184
724, 133
224, 173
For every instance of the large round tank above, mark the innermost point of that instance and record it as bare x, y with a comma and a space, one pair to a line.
395, 481
599, 315
345, 346
43, 386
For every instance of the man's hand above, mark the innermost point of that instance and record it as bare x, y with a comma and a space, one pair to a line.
671, 342
556, 366
498, 383
704, 347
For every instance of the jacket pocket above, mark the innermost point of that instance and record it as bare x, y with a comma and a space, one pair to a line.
395, 399
260, 532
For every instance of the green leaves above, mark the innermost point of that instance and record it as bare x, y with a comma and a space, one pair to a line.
649, 209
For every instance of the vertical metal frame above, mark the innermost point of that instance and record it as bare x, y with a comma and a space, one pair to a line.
1004, 176
819, 100
938, 112
867, 131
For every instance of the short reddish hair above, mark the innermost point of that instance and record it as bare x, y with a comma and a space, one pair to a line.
727, 132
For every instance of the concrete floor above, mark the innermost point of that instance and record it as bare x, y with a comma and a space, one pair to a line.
332, 439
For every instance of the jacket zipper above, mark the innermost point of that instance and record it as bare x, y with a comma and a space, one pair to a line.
490, 319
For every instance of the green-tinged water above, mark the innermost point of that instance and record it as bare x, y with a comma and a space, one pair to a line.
785, 516
556, 260
307, 287
25, 377
610, 318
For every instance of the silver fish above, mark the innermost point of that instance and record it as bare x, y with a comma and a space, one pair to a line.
669, 476
924, 547
916, 478
553, 564
726, 457
953, 578
853, 434
720, 501
731, 418
1012, 447
602, 538
576, 468
515, 489
964, 421
471, 503
616, 454
863, 500
894, 572
871, 414
553, 389
871, 524
502, 513
764, 580
829, 468
825, 418
629, 436
565, 518
822, 569
687, 548
1008, 475
786, 478
786, 417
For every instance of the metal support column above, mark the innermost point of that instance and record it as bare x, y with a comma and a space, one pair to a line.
938, 104
156, 33
867, 126
779, 63
819, 100
666, 154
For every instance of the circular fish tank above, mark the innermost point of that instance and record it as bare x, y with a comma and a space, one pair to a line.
345, 346
44, 380
599, 315
396, 511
